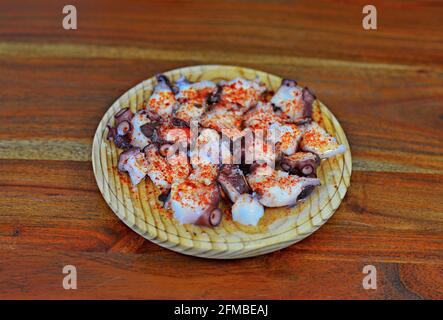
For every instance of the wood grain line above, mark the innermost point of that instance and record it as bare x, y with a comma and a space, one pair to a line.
74, 150
361, 164
174, 276
41, 50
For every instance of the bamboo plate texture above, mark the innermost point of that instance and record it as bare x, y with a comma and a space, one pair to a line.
140, 209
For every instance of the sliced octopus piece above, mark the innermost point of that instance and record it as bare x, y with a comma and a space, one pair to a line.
143, 129
196, 92
162, 101
293, 102
170, 132
316, 140
260, 117
192, 98
195, 202
124, 114
206, 150
206, 174
120, 134
187, 111
120, 141
242, 92
233, 181
286, 137
133, 162
158, 169
220, 118
173, 137
277, 188
210, 218
303, 164
247, 210
164, 171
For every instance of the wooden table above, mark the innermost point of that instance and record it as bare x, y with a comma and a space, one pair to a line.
385, 86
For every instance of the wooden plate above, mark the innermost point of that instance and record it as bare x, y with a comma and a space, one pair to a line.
279, 228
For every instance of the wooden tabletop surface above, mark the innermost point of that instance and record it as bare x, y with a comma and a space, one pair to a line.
385, 86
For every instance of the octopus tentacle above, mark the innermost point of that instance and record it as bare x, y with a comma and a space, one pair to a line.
194, 201
247, 210
233, 181
293, 102
303, 164
277, 188
124, 114
210, 218
308, 98
112, 132
123, 128
120, 133
289, 83
133, 162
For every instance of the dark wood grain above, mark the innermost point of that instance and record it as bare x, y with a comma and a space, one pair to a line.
154, 275
384, 86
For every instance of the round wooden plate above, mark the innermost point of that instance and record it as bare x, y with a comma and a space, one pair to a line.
140, 209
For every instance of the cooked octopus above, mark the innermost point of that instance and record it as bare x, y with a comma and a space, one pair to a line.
293, 102
142, 129
276, 188
240, 93
316, 140
192, 98
233, 181
197, 92
207, 148
169, 131
287, 137
133, 162
164, 171
303, 164
247, 210
195, 168
120, 133
189, 110
220, 118
196, 200
134, 130
162, 101
260, 117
